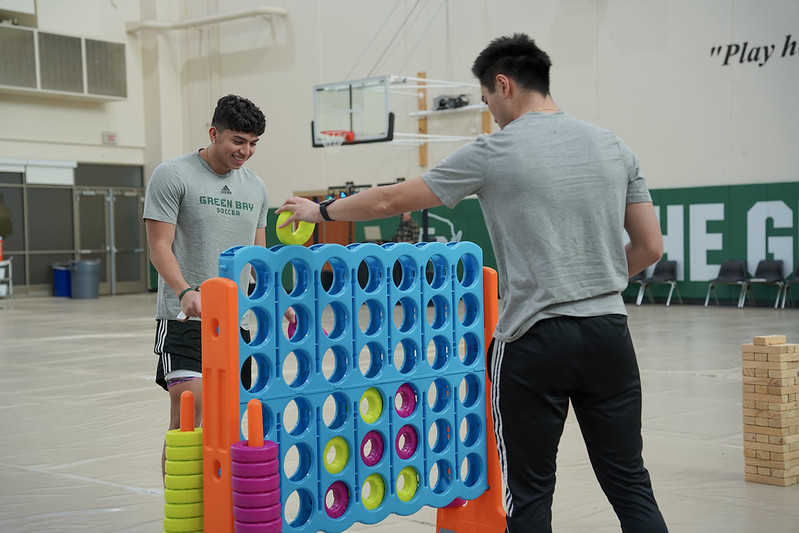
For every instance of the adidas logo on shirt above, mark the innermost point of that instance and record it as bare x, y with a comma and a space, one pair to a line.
225, 190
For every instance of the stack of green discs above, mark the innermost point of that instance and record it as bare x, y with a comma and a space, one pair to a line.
183, 483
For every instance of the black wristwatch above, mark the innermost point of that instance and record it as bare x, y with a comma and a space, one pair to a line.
323, 208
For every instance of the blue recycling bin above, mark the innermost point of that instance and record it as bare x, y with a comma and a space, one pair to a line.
62, 284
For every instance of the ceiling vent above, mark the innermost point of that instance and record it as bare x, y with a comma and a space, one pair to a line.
47, 64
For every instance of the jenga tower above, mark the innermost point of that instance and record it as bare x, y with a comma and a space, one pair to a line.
771, 410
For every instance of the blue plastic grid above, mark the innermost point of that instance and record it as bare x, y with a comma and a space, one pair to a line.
374, 363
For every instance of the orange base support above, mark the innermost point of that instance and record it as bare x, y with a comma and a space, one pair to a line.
484, 514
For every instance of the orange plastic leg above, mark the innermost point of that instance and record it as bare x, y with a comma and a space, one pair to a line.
484, 514
220, 345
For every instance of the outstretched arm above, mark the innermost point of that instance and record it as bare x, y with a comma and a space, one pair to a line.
371, 204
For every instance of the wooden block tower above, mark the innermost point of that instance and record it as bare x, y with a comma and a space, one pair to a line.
771, 410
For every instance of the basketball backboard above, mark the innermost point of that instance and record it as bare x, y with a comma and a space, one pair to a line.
357, 106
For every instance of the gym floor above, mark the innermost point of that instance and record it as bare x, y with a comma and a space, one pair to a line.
83, 423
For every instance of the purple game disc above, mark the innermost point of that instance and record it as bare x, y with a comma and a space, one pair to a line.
250, 485
275, 526
265, 469
241, 453
376, 453
411, 439
341, 499
253, 500
253, 516
407, 400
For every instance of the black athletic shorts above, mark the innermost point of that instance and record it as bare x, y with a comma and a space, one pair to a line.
179, 347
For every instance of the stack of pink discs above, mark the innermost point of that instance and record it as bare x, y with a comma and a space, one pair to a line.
256, 488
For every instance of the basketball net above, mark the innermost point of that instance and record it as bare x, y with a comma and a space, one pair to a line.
332, 140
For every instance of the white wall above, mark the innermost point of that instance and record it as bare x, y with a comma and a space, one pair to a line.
639, 67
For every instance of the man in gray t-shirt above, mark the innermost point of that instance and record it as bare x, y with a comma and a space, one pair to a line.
557, 195
197, 206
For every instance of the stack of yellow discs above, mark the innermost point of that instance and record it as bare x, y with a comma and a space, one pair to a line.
183, 483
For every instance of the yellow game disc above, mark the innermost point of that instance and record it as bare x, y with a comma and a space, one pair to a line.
183, 525
340, 451
376, 492
176, 437
191, 481
184, 453
183, 496
183, 468
183, 510
299, 236
410, 483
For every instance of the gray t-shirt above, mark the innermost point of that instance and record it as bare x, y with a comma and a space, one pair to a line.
553, 191
211, 213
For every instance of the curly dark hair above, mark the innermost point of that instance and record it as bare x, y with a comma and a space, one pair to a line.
238, 114
517, 57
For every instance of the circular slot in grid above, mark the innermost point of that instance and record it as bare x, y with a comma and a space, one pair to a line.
299, 330
333, 276
468, 270
338, 314
437, 270
256, 324
337, 499
371, 316
405, 356
407, 483
405, 272
373, 491
256, 371
439, 435
335, 410
254, 280
438, 352
298, 509
471, 469
440, 476
406, 442
470, 429
297, 462
406, 313
296, 368
370, 274
372, 447
297, 416
405, 400
468, 309
266, 415
469, 390
334, 364
469, 350
438, 395
371, 405
296, 277
371, 360
440, 315
336, 455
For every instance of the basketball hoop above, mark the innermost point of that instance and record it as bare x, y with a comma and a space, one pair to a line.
332, 140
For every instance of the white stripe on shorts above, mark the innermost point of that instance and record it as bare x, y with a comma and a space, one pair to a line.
496, 365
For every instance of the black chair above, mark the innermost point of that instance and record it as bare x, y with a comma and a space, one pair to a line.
665, 273
768, 272
793, 279
731, 272
638, 279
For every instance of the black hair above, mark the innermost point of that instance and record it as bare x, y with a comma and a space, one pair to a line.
238, 114
517, 57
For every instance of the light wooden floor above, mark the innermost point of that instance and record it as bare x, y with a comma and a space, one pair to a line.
82, 423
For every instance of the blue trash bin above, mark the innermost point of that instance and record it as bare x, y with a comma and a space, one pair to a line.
62, 284
85, 278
